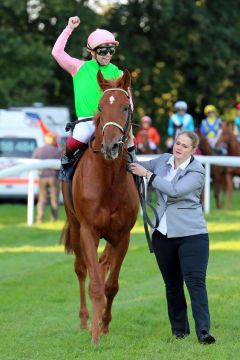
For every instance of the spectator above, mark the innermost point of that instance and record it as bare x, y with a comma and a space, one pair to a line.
48, 179
211, 125
148, 136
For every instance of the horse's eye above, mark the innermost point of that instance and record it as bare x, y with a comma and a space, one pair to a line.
125, 108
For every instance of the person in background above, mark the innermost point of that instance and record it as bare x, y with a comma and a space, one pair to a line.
101, 44
237, 122
211, 125
180, 120
149, 133
181, 242
48, 179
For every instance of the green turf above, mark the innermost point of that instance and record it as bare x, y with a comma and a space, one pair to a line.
39, 299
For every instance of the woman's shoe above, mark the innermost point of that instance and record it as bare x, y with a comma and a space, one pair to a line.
205, 338
180, 335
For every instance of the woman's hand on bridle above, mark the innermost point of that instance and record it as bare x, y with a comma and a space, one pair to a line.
137, 169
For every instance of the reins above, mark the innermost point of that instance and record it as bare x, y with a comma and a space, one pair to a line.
142, 193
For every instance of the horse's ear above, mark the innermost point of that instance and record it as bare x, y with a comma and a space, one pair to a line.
125, 82
101, 80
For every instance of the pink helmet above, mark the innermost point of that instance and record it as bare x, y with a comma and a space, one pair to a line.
238, 106
99, 37
146, 119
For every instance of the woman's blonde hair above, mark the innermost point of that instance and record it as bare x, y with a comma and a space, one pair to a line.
192, 136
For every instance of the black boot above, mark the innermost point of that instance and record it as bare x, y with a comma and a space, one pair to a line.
68, 163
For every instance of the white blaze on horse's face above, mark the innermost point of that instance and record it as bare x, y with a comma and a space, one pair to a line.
111, 99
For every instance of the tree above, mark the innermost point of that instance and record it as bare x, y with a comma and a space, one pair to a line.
28, 32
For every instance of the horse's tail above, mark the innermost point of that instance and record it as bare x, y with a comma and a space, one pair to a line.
65, 238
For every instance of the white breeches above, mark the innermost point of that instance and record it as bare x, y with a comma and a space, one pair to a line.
84, 131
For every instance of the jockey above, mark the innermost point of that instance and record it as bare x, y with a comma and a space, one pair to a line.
211, 125
237, 122
180, 120
152, 134
102, 45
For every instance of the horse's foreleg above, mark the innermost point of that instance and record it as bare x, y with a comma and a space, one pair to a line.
89, 244
73, 238
81, 271
112, 286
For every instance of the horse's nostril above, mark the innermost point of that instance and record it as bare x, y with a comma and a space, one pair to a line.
115, 147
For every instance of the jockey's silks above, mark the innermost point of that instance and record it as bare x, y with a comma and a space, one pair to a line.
237, 124
210, 127
181, 122
87, 92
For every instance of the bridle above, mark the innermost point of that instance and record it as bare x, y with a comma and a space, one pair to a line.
124, 128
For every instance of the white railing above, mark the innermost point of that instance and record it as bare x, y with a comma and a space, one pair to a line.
55, 164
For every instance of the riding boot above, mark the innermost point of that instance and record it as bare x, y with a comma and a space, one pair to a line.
73, 150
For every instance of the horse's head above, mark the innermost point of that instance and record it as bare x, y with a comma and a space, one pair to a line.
227, 143
204, 145
115, 115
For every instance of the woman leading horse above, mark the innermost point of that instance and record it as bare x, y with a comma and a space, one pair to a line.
104, 205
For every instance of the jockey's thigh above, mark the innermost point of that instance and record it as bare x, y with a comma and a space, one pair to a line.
83, 131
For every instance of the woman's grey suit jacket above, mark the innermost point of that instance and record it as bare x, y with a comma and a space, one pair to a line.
183, 207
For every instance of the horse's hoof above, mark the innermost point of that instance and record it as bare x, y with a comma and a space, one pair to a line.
84, 326
95, 340
105, 330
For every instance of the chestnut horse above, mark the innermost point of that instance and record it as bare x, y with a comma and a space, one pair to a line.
217, 172
105, 205
230, 141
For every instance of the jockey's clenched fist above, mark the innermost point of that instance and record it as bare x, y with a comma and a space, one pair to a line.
73, 22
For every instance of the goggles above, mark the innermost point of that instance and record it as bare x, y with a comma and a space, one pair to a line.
104, 50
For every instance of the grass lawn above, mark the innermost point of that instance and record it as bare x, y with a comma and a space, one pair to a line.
39, 300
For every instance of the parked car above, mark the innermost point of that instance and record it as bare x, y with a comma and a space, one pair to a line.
48, 118
18, 140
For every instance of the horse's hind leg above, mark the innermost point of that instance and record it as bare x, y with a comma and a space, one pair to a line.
80, 268
81, 271
104, 261
111, 287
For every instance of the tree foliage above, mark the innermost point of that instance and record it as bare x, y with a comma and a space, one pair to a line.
174, 49
180, 50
